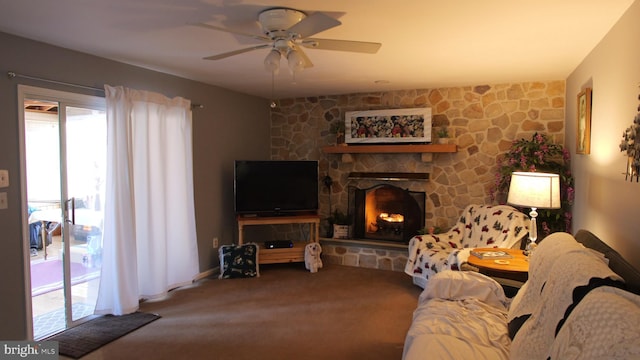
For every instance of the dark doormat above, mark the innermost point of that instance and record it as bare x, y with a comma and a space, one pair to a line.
87, 337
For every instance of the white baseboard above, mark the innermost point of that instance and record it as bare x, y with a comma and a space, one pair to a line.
207, 273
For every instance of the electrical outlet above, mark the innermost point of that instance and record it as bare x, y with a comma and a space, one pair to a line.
4, 178
3, 200
215, 243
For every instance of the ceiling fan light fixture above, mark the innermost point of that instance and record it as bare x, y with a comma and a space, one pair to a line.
286, 31
295, 60
272, 61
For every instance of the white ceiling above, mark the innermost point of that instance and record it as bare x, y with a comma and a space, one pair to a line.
425, 43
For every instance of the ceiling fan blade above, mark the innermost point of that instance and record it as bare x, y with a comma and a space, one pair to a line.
213, 27
342, 45
236, 52
313, 24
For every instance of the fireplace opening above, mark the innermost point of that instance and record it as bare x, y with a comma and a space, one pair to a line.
386, 212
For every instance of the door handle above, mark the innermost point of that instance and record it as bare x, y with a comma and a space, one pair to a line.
70, 203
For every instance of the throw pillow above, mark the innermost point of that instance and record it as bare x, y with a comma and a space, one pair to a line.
238, 261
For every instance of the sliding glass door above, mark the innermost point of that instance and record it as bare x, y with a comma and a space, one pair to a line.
63, 157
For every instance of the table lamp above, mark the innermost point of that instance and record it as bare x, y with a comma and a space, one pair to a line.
536, 191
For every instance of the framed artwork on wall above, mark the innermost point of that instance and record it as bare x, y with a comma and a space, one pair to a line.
583, 133
388, 126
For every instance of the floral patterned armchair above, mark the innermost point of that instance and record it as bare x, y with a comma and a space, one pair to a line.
499, 226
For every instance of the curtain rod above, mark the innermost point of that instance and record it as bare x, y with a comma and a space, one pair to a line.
12, 74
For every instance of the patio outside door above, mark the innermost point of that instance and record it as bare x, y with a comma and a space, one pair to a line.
65, 167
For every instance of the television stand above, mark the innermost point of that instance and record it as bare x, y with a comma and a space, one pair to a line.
281, 255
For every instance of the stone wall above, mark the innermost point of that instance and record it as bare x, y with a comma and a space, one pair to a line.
483, 121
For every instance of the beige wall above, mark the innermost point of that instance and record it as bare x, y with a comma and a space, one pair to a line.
483, 119
604, 201
231, 126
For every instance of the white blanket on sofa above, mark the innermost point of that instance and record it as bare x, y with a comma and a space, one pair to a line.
557, 287
541, 261
603, 326
460, 315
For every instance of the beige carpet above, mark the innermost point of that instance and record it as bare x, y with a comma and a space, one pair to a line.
340, 312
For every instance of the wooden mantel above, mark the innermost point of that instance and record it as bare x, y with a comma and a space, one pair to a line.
427, 150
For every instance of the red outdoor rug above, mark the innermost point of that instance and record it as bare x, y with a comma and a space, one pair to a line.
46, 276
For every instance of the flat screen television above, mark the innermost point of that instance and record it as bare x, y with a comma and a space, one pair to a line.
276, 187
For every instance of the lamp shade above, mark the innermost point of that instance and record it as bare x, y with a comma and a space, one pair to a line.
534, 190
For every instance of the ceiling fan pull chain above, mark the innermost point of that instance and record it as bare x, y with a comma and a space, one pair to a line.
273, 101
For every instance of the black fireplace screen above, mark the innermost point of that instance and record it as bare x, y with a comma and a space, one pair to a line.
386, 212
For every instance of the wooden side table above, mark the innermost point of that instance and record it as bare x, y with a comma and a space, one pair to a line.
510, 272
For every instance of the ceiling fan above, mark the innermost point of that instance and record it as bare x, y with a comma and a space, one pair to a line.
286, 31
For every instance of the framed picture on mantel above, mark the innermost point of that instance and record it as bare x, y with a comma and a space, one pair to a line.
388, 126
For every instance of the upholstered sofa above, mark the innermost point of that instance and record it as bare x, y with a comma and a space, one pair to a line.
580, 302
478, 226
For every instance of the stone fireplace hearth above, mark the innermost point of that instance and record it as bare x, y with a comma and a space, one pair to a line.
368, 254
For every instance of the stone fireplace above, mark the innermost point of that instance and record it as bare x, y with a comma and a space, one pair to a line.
386, 212
483, 121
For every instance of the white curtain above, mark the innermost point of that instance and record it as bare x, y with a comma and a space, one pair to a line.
149, 222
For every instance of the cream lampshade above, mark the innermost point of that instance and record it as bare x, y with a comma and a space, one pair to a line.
536, 191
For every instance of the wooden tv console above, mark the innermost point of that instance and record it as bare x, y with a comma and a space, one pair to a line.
281, 255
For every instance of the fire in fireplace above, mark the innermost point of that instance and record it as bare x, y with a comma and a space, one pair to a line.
386, 212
